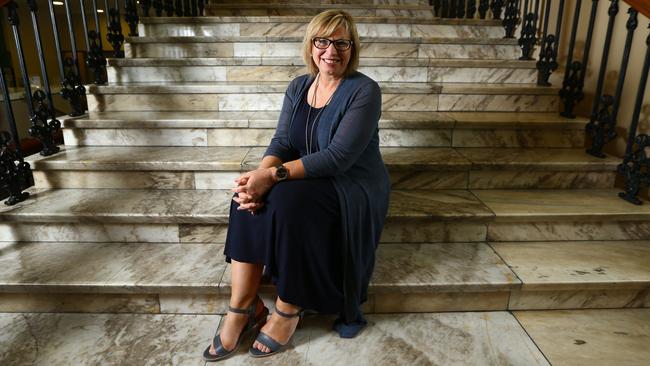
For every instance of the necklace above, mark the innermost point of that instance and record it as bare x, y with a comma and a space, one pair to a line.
309, 136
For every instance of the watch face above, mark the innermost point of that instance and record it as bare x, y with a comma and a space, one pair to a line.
281, 172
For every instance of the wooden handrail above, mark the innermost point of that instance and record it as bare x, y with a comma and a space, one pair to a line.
643, 6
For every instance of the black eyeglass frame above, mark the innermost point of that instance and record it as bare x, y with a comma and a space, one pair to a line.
350, 43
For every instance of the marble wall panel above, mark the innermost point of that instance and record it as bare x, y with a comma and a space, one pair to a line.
202, 233
191, 30
428, 180
504, 103
408, 137
543, 231
272, 29
136, 137
440, 301
383, 30
215, 180
153, 102
396, 74
579, 299
114, 179
540, 180
78, 303
203, 304
166, 74
250, 102
181, 50
481, 75
433, 232
240, 137
460, 31
518, 138
266, 73
374, 49
409, 102
479, 51
264, 49
75, 232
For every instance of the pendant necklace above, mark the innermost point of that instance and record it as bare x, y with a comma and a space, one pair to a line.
309, 136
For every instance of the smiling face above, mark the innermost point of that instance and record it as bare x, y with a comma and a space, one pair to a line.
331, 61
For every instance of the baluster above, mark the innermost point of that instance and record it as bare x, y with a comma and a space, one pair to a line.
42, 128
73, 90
131, 17
194, 8
15, 174
483, 7
453, 5
114, 34
636, 164
10, 115
158, 7
497, 7
201, 6
600, 126
471, 9
169, 7
548, 51
67, 88
178, 8
146, 6
437, 7
528, 36
460, 9
444, 9
95, 57
187, 6
510, 19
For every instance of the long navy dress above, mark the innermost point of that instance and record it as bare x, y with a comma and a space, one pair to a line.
297, 234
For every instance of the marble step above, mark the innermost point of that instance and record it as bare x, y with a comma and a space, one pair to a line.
290, 46
410, 168
268, 96
296, 26
413, 129
284, 9
285, 69
475, 338
326, 2
201, 216
129, 277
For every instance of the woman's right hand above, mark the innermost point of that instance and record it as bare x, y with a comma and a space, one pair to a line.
246, 202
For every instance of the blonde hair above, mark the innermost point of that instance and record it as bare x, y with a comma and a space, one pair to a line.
324, 25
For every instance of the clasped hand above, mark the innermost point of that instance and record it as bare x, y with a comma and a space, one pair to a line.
252, 187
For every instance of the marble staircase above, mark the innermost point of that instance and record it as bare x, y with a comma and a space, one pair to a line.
495, 205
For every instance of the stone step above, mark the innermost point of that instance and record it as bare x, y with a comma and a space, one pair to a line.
201, 216
494, 338
296, 26
325, 2
268, 96
354, 9
285, 69
410, 168
290, 46
407, 278
424, 129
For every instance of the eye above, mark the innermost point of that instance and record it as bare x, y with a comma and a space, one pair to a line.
321, 42
342, 44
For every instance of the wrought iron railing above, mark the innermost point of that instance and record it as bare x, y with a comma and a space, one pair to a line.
15, 173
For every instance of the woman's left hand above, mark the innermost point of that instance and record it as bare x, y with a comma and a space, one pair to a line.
255, 183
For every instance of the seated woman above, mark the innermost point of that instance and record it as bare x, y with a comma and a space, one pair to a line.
310, 216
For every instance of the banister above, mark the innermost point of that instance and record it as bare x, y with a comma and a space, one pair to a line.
643, 6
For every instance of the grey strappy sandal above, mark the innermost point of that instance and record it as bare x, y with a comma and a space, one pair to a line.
254, 322
271, 343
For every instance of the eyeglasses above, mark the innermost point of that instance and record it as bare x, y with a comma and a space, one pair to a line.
339, 44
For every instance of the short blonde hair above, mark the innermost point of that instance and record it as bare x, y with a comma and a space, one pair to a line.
324, 25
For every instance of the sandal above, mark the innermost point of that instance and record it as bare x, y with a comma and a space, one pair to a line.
271, 343
254, 322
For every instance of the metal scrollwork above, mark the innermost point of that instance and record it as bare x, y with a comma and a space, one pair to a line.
471, 9
15, 174
158, 7
201, 7
460, 9
41, 128
636, 170
114, 34
571, 92
169, 7
528, 39
179, 8
73, 90
131, 17
511, 17
96, 59
601, 127
497, 6
547, 60
483, 7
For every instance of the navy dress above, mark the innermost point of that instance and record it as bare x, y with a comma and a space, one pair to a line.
297, 234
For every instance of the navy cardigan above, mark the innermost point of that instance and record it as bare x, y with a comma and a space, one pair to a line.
348, 142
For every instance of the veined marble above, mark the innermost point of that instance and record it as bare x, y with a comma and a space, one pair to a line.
529, 137
402, 179
469, 51
90, 232
115, 179
240, 137
165, 119
419, 231
512, 120
440, 301
414, 137
461, 31
409, 102
110, 267
590, 337
438, 205
524, 179
106, 339
428, 339
79, 303
571, 230
413, 158
481, 75
190, 233
135, 137
531, 103
532, 159
464, 267
578, 299
586, 265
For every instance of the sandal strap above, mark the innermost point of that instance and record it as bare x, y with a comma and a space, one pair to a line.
240, 311
285, 315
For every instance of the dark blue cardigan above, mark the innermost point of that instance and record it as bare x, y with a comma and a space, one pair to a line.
349, 154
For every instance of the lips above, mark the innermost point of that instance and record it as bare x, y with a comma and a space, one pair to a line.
331, 61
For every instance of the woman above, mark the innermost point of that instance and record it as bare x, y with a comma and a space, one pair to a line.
312, 213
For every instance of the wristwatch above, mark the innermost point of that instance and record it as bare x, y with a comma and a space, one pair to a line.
281, 173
